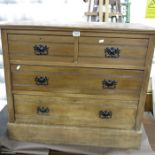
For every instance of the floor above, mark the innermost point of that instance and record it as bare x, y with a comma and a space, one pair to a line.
149, 124
148, 121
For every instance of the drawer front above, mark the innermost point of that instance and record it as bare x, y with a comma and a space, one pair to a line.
112, 51
74, 111
111, 83
41, 47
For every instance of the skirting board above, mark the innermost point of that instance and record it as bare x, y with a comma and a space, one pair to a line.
75, 135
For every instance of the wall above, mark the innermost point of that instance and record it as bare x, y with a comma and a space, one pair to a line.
138, 9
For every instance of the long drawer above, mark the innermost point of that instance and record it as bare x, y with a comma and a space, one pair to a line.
75, 111
41, 47
111, 83
113, 51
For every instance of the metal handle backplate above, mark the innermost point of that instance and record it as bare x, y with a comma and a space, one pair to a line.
41, 80
40, 49
105, 114
109, 84
42, 110
112, 52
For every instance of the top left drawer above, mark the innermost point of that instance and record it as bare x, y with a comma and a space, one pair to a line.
48, 48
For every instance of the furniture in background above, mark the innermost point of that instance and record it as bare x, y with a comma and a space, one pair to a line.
108, 11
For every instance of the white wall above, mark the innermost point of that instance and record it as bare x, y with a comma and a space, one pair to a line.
138, 10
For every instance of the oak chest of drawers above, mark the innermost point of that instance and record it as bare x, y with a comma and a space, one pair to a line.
75, 84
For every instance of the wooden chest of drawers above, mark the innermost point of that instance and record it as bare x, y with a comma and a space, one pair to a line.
79, 84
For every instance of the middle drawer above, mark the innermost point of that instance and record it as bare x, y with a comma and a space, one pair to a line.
111, 83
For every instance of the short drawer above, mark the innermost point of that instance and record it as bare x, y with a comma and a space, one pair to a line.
111, 83
41, 47
74, 111
113, 51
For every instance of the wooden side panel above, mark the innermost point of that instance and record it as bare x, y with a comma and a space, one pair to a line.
74, 111
8, 80
140, 110
74, 135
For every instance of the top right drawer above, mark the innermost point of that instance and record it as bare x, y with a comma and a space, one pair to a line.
125, 52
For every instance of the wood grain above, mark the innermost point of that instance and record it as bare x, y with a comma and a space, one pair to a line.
68, 62
132, 51
75, 135
76, 69
149, 103
55, 38
148, 63
8, 80
123, 27
110, 40
76, 49
75, 80
59, 47
85, 33
21, 48
74, 111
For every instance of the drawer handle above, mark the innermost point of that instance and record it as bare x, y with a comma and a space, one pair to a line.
40, 49
42, 110
109, 84
41, 80
105, 114
112, 52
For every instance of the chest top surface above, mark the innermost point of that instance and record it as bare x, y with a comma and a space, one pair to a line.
109, 27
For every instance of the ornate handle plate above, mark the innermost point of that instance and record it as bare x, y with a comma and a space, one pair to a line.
42, 110
105, 114
112, 52
109, 84
40, 49
42, 80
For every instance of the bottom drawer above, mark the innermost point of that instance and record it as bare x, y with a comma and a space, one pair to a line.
75, 111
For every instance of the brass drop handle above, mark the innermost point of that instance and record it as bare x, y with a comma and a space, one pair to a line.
105, 114
109, 84
41, 80
42, 110
112, 52
40, 49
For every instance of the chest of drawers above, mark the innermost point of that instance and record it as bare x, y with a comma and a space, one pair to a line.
75, 84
